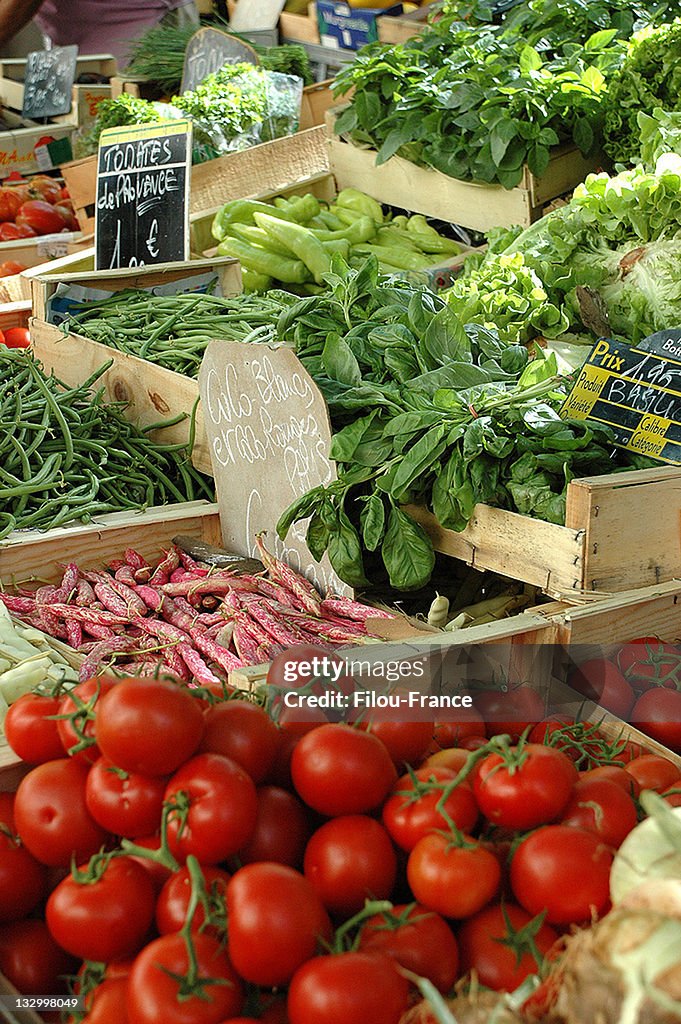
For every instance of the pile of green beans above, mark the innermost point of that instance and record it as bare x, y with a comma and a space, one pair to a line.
174, 330
65, 454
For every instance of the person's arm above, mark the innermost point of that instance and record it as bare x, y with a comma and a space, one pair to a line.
14, 14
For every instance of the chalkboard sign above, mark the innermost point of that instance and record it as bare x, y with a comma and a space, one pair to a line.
48, 81
208, 50
636, 391
269, 435
142, 209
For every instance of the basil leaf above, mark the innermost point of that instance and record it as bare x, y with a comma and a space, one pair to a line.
407, 552
344, 444
446, 340
340, 362
419, 458
345, 552
299, 509
317, 537
372, 521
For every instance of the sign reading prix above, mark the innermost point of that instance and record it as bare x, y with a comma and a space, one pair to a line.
48, 82
208, 50
636, 391
142, 209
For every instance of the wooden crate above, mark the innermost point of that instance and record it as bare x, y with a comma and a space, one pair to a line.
36, 254
250, 172
399, 29
84, 98
152, 392
300, 28
15, 314
434, 194
621, 531
18, 144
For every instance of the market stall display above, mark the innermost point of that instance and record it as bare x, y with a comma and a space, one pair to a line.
339, 565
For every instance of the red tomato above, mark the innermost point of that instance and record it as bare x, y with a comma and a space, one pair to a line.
243, 731
106, 919
11, 232
125, 803
299, 661
337, 769
410, 813
17, 337
154, 988
281, 829
352, 988
528, 787
651, 771
510, 711
51, 814
22, 879
562, 870
173, 900
468, 722
474, 742
216, 809
78, 731
45, 187
7, 810
275, 922
158, 874
418, 939
455, 880
11, 201
40, 216
614, 773
349, 860
30, 732
148, 726
406, 742
31, 960
107, 1003
453, 758
601, 807
499, 944
658, 713
601, 681
67, 215
10, 267
647, 662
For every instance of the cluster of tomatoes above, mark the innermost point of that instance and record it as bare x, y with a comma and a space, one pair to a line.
191, 861
34, 206
640, 684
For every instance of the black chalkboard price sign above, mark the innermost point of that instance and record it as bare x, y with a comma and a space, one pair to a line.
208, 50
637, 391
142, 209
48, 81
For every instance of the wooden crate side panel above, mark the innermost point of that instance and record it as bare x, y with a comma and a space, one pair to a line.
301, 28
633, 527
152, 392
423, 190
615, 729
15, 314
317, 99
568, 167
34, 554
398, 30
654, 611
265, 168
543, 554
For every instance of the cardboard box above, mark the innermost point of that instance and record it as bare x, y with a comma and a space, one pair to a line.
350, 28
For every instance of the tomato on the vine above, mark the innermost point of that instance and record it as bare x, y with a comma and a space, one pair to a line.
281, 829
526, 786
450, 733
78, 730
243, 731
51, 814
652, 771
601, 681
647, 662
563, 870
22, 878
154, 984
124, 803
276, 921
338, 769
658, 713
455, 876
602, 807
30, 729
504, 945
418, 939
173, 900
411, 811
348, 860
406, 742
148, 726
352, 988
215, 809
105, 918
509, 711
31, 960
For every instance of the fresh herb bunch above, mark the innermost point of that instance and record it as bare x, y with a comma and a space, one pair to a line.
116, 113
426, 412
650, 77
475, 104
551, 23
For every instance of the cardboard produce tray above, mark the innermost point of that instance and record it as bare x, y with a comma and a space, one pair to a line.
476, 206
